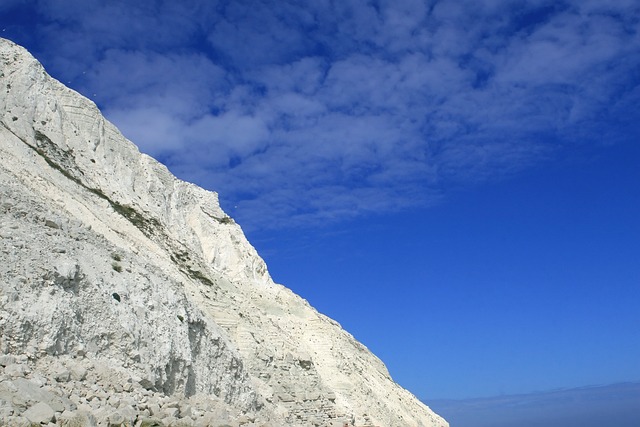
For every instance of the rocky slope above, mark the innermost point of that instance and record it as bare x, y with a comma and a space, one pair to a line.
128, 297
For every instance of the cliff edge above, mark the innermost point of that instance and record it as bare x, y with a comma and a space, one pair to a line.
127, 295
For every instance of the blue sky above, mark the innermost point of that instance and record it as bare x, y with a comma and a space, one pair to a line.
455, 182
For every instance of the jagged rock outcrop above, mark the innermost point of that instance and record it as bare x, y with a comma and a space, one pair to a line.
120, 283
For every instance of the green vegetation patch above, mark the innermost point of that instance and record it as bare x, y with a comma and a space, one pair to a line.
46, 148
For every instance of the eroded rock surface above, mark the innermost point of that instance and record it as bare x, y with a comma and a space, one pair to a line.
128, 297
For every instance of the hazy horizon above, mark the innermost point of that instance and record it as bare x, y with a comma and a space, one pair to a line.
589, 406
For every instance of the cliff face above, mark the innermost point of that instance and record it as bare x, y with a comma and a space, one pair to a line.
110, 262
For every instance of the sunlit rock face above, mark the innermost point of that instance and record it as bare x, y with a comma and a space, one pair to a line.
130, 294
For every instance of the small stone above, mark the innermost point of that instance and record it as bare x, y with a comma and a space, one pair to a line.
185, 411
19, 402
151, 422
244, 419
6, 409
114, 401
78, 419
38, 380
7, 359
128, 412
40, 413
62, 376
19, 422
78, 373
184, 422
169, 421
75, 399
210, 419
15, 370
312, 395
116, 419
146, 384
127, 401
285, 397
172, 404
102, 414
81, 352
64, 417
52, 224
171, 412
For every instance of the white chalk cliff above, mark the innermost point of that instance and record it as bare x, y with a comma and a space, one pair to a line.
132, 297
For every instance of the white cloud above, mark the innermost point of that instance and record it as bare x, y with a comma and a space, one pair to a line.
230, 134
304, 76
7, 5
327, 110
186, 85
154, 131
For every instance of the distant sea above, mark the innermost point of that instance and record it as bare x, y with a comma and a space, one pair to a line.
615, 405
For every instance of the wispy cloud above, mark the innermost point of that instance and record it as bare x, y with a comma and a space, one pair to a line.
301, 114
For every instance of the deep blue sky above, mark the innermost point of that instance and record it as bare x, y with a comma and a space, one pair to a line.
456, 182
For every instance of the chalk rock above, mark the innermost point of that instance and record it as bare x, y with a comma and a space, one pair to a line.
40, 413
112, 262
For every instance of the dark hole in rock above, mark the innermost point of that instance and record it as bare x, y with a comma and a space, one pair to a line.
116, 296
